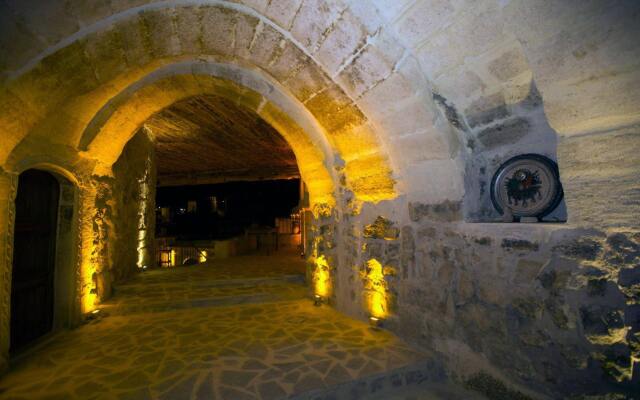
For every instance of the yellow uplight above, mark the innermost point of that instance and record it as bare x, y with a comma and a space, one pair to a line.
375, 287
322, 277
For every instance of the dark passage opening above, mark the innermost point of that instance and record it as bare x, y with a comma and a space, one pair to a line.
224, 210
32, 282
228, 184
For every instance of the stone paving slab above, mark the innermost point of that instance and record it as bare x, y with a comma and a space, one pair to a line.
267, 351
186, 333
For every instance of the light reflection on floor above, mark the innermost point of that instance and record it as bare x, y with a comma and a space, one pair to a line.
176, 334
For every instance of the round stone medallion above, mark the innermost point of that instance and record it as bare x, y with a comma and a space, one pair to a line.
527, 185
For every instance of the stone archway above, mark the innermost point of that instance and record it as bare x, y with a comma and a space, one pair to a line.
82, 74
113, 126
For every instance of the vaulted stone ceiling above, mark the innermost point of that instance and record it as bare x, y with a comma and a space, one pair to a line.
211, 139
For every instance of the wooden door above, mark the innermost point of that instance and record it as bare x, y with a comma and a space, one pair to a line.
33, 257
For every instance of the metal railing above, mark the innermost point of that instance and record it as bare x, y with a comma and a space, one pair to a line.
176, 255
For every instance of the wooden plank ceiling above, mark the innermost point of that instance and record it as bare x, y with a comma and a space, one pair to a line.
209, 136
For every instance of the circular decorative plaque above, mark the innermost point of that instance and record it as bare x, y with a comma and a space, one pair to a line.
527, 185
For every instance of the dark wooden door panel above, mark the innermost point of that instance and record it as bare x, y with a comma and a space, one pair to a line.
33, 257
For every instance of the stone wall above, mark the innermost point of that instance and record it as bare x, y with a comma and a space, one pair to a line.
599, 171
550, 308
134, 212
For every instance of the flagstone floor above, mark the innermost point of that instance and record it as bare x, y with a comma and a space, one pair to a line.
240, 328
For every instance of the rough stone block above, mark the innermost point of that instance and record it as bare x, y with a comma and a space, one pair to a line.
434, 187
623, 249
282, 12
383, 98
507, 132
527, 271
465, 289
105, 50
267, 46
438, 56
343, 41
382, 228
580, 248
366, 70
601, 321
218, 28
245, 30
422, 19
509, 65
460, 84
157, 27
519, 245
629, 276
489, 291
397, 123
137, 51
188, 22
420, 146
313, 20
290, 60
444, 212
71, 71
632, 317
486, 110
308, 81
472, 32
334, 110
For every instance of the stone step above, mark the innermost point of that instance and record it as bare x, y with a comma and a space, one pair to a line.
140, 285
410, 379
129, 308
140, 298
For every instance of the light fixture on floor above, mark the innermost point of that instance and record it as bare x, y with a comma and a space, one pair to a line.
375, 322
93, 315
317, 300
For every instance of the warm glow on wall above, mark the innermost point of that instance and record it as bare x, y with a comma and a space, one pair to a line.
322, 277
203, 256
142, 240
88, 293
375, 289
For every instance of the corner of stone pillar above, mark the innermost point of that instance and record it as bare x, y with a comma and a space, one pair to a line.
8, 188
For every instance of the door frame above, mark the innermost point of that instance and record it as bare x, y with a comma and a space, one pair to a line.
66, 301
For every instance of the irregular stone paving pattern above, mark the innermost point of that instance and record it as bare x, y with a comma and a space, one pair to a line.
250, 351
